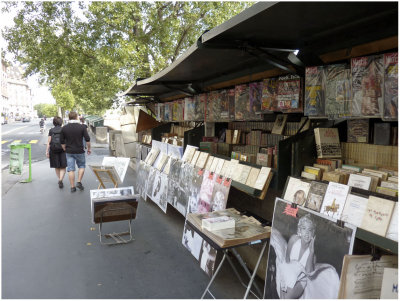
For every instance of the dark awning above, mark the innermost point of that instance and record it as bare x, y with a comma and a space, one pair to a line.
264, 37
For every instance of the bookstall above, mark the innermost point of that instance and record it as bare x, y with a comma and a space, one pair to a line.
293, 123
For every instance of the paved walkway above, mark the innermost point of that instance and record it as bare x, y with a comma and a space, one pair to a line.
50, 248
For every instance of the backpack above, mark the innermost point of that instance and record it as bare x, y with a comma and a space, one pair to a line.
55, 143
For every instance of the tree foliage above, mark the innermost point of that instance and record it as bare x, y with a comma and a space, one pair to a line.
49, 110
96, 51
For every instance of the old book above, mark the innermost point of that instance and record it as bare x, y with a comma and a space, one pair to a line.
244, 174
167, 166
224, 169
316, 195
189, 152
269, 94
334, 200
357, 130
359, 181
163, 160
389, 184
253, 175
393, 179
214, 164
228, 136
245, 230
309, 176
382, 133
390, 283
296, 191
361, 277
390, 105
235, 136
195, 158
201, 161
314, 98
337, 90
377, 216
279, 125
393, 230
367, 85
375, 181
263, 177
352, 168
327, 143
381, 174
218, 223
354, 209
387, 191
332, 176
324, 168
209, 163
219, 166
154, 154
314, 170
262, 159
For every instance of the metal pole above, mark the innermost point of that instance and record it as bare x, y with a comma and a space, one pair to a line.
255, 270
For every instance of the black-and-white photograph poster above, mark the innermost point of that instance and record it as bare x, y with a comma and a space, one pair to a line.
194, 190
172, 186
139, 178
175, 171
185, 176
177, 197
146, 172
150, 181
305, 254
192, 241
207, 259
220, 193
160, 189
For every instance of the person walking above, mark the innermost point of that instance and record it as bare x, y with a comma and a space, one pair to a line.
82, 119
72, 136
55, 152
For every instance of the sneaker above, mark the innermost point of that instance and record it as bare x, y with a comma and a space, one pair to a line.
79, 185
60, 184
73, 189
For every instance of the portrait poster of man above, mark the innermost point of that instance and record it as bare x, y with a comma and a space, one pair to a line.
194, 189
305, 254
160, 188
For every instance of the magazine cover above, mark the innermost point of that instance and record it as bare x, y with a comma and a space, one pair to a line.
367, 85
201, 101
231, 100
224, 103
160, 189
220, 193
167, 112
269, 94
175, 110
390, 106
337, 90
190, 108
255, 92
288, 96
242, 102
216, 105
314, 100
206, 190
313, 273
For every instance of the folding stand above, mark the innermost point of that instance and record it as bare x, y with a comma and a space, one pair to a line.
251, 276
104, 175
116, 236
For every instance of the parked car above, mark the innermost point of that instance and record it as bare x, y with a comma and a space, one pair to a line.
17, 118
26, 119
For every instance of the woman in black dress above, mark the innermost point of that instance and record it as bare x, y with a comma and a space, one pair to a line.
58, 159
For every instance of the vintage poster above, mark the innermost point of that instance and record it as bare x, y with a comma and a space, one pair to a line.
185, 176
316, 195
337, 90
315, 272
390, 106
220, 193
255, 92
314, 98
215, 105
150, 181
269, 94
288, 96
231, 100
190, 108
201, 101
224, 103
358, 130
242, 102
209, 109
167, 112
174, 173
296, 191
160, 189
206, 190
367, 85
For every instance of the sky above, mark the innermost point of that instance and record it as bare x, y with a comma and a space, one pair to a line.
40, 94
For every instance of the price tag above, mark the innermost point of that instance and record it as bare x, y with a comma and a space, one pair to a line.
219, 179
227, 182
201, 172
211, 175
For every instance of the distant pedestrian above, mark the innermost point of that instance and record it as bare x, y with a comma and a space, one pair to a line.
72, 136
55, 152
82, 119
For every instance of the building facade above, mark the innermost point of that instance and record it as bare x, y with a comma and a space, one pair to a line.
19, 94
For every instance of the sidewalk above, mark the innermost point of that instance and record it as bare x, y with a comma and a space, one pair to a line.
51, 249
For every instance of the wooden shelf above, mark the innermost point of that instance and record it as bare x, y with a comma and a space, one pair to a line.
377, 240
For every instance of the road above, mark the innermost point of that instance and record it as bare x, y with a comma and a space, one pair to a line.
27, 132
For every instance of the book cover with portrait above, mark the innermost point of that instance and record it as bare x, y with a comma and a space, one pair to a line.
306, 253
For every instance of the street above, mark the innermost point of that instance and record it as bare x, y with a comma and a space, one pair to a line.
24, 132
